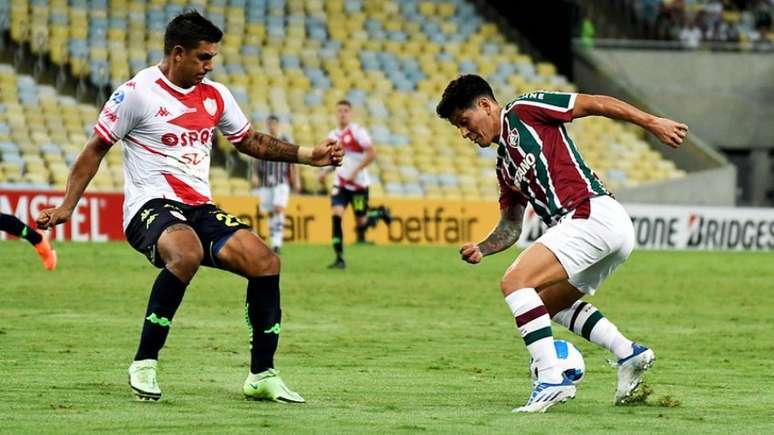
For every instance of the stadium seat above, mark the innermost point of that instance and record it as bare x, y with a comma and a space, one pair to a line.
391, 58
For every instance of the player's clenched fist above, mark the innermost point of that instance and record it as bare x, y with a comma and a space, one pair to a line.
328, 152
669, 132
51, 217
471, 253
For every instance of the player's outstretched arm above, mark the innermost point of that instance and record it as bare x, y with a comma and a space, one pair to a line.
669, 132
83, 170
504, 235
267, 147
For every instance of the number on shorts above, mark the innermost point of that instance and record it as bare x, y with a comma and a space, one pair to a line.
228, 219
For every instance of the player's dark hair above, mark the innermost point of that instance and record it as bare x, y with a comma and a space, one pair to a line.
272, 118
188, 30
461, 93
344, 103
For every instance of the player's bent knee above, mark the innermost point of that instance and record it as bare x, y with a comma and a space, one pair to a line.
511, 282
264, 265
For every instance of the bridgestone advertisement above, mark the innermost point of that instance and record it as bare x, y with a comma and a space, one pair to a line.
687, 227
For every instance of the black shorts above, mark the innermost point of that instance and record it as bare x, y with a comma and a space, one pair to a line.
212, 225
358, 198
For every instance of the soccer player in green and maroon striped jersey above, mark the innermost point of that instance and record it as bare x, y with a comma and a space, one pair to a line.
590, 234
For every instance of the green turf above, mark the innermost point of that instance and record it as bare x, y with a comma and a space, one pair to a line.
405, 340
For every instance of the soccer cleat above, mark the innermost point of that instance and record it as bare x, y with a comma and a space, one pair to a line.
276, 250
338, 264
545, 395
47, 254
142, 379
630, 371
267, 385
385, 214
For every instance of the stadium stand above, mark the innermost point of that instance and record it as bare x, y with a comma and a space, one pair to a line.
747, 22
296, 58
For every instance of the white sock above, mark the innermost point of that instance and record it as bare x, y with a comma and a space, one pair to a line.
277, 229
534, 324
586, 320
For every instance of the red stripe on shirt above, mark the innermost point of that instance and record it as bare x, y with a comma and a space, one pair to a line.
149, 149
103, 135
107, 130
240, 134
186, 193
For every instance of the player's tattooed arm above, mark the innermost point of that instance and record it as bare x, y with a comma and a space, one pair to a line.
267, 147
504, 235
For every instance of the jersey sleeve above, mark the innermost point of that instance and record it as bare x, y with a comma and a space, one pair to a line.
363, 138
233, 123
120, 114
545, 107
332, 135
509, 197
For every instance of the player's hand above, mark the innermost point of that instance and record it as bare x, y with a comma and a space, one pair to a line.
471, 253
327, 153
669, 132
52, 216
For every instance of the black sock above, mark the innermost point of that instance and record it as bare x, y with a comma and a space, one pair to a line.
361, 232
338, 237
12, 225
165, 298
263, 317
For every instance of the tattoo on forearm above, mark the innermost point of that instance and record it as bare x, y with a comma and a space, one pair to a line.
266, 147
505, 234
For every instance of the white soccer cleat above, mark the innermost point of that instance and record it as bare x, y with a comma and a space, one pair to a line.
142, 379
546, 395
630, 371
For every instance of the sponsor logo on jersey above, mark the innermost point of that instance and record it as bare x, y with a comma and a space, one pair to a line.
162, 112
210, 106
109, 115
169, 139
117, 97
513, 137
523, 168
131, 84
188, 138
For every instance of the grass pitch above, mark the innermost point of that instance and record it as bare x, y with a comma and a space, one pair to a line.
405, 340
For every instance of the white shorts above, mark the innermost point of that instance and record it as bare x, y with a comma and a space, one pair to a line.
591, 249
272, 197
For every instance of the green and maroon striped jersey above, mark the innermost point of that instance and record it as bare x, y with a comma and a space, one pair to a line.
538, 162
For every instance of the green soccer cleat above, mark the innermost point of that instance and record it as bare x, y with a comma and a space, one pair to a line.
267, 385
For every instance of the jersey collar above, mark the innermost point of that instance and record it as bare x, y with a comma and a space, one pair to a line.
175, 87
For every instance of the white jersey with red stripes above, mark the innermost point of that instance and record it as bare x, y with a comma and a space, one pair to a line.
354, 139
167, 133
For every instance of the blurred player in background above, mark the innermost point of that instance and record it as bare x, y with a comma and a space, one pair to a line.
589, 236
351, 181
167, 115
12, 225
273, 180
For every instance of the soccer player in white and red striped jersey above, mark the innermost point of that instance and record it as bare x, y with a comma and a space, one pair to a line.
352, 181
167, 116
589, 235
